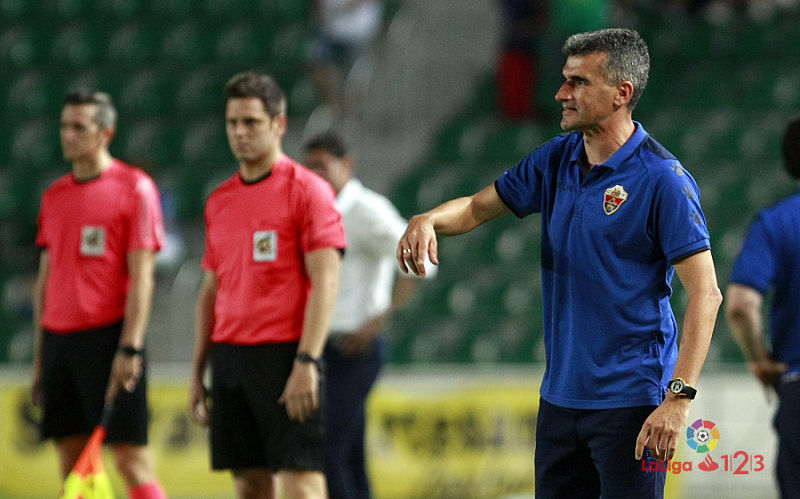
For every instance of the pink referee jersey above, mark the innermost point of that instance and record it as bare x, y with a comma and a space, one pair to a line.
88, 228
256, 235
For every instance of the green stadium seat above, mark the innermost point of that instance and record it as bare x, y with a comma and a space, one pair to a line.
205, 141
289, 48
32, 93
173, 10
199, 93
122, 10
36, 145
288, 11
242, 43
148, 92
17, 10
77, 46
23, 46
132, 44
66, 10
230, 9
186, 44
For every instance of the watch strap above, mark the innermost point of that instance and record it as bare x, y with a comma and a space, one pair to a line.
306, 358
130, 350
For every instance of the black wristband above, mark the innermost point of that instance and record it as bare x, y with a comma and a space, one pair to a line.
306, 358
130, 351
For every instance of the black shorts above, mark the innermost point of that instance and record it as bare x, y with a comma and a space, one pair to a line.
75, 371
249, 428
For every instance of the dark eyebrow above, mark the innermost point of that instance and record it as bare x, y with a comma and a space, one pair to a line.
578, 79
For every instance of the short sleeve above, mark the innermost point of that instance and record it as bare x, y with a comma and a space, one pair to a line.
321, 221
41, 234
680, 224
755, 265
147, 225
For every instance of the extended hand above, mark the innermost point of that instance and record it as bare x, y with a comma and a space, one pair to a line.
417, 244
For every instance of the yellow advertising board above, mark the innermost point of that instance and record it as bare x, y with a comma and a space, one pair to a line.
464, 440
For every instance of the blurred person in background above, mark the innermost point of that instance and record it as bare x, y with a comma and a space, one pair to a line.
345, 30
273, 247
100, 228
370, 289
620, 216
770, 261
518, 64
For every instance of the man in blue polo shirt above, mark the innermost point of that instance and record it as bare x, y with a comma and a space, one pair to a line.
620, 216
770, 260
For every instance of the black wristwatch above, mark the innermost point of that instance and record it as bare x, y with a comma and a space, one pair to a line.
306, 358
679, 388
130, 350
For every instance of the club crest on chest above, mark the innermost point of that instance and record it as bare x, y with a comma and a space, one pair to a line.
613, 199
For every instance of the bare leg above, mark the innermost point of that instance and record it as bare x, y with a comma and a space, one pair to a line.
304, 484
134, 462
69, 449
254, 483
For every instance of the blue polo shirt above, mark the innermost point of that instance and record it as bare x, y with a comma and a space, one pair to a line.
608, 244
770, 259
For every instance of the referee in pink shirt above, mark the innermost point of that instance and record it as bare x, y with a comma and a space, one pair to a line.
100, 228
273, 248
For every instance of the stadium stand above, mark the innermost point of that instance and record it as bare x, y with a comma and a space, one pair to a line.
718, 98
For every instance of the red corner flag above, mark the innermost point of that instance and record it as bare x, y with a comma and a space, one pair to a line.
88, 478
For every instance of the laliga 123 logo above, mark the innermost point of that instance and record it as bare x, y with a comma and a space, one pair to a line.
703, 436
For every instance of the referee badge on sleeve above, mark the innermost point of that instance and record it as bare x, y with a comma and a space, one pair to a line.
93, 240
614, 198
265, 245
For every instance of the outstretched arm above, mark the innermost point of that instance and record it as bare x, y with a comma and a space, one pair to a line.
453, 217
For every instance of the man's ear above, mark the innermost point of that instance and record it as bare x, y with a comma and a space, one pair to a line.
280, 121
108, 134
624, 93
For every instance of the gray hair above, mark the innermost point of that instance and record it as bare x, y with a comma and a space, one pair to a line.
105, 115
628, 58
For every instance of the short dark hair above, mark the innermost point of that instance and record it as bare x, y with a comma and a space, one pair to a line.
328, 142
628, 57
262, 86
791, 148
105, 114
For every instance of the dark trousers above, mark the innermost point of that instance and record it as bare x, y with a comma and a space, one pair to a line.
349, 381
589, 454
786, 424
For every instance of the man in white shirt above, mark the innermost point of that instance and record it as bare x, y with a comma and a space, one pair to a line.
370, 288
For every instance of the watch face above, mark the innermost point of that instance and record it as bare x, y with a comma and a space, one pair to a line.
676, 386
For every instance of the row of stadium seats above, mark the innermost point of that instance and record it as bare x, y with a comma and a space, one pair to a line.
284, 11
187, 43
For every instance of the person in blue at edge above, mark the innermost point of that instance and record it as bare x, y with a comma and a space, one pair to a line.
620, 216
770, 260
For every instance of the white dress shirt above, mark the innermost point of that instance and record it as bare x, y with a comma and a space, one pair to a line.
373, 227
